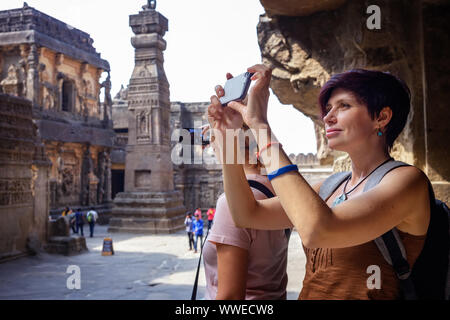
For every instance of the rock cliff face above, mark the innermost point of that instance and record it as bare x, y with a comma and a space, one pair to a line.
306, 42
299, 8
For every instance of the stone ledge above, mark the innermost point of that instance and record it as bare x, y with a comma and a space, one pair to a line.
66, 245
32, 36
146, 226
127, 212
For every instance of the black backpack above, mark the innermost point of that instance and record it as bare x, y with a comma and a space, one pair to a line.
430, 275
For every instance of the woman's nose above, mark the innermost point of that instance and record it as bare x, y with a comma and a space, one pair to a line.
330, 117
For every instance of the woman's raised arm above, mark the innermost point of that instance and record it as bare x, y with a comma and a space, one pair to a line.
401, 199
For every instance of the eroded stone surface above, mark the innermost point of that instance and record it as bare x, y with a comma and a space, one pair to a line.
305, 48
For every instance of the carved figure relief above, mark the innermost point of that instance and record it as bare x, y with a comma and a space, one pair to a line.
144, 71
86, 169
23, 75
102, 176
143, 125
48, 100
93, 188
11, 84
122, 94
67, 182
107, 104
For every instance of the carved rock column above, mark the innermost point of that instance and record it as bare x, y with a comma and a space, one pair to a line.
150, 203
33, 75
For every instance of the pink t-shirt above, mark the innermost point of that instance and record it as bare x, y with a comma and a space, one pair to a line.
267, 277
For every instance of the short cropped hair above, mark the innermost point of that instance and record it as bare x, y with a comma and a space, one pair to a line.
376, 90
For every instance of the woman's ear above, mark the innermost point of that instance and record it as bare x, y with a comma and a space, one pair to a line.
384, 117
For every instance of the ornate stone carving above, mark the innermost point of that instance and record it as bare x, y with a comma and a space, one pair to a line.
67, 181
151, 5
86, 169
33, 75
48, 100
143, 126
122, 94
107, 104
102, 176
12, 84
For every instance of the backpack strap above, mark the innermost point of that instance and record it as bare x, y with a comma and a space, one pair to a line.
259, 186
332, 183
390, 243
194, 289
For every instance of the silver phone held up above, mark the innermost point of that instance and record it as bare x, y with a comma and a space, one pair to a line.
236, 88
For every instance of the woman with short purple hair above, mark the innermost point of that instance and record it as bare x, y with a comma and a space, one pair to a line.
363, 112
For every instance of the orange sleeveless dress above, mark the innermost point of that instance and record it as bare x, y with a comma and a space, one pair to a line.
341, 274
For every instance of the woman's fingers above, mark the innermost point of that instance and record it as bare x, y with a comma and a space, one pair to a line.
262, 74
260, 69
237, 106
219, 91
213, 114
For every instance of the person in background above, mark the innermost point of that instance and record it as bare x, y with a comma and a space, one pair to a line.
245, 263
188, 222
92, 217
79, 222
210, 213
198, 212
198, 231
66, 212
72, 220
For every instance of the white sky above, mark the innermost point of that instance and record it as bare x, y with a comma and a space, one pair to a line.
206, 39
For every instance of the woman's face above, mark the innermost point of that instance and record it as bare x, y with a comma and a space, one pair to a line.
347, 122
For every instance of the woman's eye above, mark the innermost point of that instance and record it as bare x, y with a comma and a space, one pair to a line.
346, 105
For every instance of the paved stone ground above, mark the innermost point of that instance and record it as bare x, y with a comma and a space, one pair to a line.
154, 267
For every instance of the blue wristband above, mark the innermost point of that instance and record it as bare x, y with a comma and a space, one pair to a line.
279, 172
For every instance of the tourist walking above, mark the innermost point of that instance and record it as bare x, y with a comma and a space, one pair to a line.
198, 212
189, 223
210, 214
79, 221
198, 231
91, 217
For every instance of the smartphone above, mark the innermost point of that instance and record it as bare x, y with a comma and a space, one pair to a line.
236, 88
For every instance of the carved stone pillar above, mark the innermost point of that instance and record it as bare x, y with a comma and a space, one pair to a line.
150, 203
33, 75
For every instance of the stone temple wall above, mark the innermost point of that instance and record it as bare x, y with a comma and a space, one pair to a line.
306, 42
56, 67
24, 187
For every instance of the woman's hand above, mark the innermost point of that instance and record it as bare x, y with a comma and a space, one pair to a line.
221, 119
254, 112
